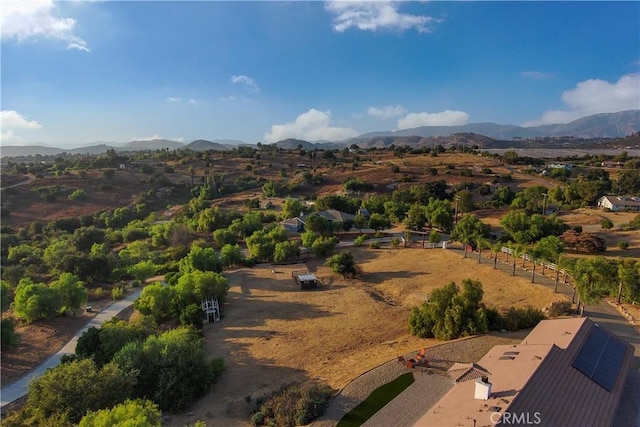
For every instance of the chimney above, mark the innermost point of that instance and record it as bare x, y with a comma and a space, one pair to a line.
483, 389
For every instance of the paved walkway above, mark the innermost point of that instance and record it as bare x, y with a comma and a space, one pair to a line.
18, 389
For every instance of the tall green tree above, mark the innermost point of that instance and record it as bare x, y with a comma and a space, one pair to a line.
72, 292
468, 229
35, 301
343, 264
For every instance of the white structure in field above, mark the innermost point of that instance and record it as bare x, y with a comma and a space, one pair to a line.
211, 310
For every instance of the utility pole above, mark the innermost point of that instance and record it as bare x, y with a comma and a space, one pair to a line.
544, 203
455, 215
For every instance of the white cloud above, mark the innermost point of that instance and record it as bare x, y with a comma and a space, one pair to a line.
536, 75
443, 118
312, 126
8, 137
193, 101
250, 83
376, 15
388, 112
23, 20
595, 96
174, 99
10, 119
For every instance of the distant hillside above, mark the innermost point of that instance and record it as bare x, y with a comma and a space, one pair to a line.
204, 145
154, 144
292, 144
28, 150
609, 125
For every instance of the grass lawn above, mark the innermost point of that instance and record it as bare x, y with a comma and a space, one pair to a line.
376, 400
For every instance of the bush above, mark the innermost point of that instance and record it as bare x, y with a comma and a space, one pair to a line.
343, 264
519, 318
7, 331
78, 194
359, 241
623, 245
606, 224
117, 292
559, 308
292, 405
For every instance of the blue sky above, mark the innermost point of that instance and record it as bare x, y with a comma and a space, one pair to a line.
77, 72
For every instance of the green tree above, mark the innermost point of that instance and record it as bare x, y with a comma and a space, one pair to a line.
319, 224
439, 213
231, 255
343, 264
7, 328
286, 251
468, 229
196, 286
77, 387
416, 217
548, 248
465, 201
131, 413
35, 301
449, 313
307, 238
170, 368
379, 222
142, 270
292, 207
156, 300
223, 236
203, 259
72, 292
323, 246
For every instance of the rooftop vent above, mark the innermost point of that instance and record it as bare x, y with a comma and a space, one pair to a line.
483, 389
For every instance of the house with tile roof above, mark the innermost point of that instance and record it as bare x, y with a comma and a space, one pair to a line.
566, 372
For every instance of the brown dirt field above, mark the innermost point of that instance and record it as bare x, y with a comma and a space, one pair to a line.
273, 334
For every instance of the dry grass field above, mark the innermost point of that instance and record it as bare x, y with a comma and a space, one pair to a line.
273, 334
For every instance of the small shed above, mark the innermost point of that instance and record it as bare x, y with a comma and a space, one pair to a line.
305, 280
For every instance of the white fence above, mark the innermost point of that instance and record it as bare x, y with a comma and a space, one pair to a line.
544, 264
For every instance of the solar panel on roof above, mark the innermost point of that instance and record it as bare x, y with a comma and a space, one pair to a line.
600, 358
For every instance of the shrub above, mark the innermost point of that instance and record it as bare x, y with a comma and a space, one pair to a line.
343, 264
374, 245
292, 405
606, 224
559, 308
359, 241
519, 318
117, 292
78, 194
7, 331
623, 245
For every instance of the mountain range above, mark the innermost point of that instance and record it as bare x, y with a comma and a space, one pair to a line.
607, 125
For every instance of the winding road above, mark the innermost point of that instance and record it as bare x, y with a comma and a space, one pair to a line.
19, 388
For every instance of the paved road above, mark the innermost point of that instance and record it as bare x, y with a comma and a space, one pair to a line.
18, 389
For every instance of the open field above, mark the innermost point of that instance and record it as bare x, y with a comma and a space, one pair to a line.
272, 333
